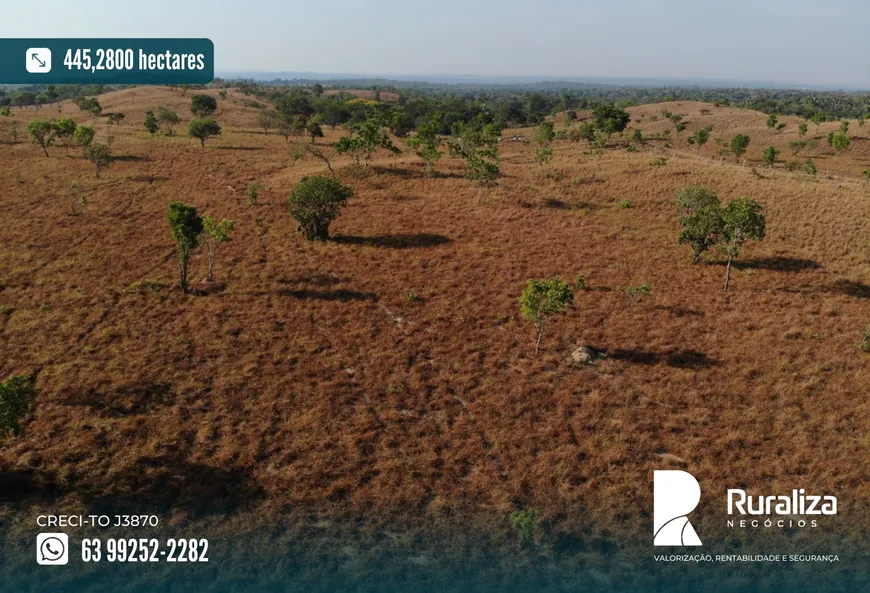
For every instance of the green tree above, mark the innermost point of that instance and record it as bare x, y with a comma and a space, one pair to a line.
203, 129
186, 226
692, 198
810, 167
841, 142
769, 156
99, 155
771, 121
542, 299
315, 202
84, 136
739, 144
65, 129
545, 135
742, 220
15, 395
43, 133
366, 138
700, 138
215, 233
314, 130
203, 106
478, 145
167, 119
610, 119
91, 106
802, 130
151, 123
427, 141
796, 146
701, 230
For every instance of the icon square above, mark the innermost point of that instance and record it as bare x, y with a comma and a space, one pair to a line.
52, 549
38, 60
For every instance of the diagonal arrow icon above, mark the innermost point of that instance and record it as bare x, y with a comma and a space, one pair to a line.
36, 57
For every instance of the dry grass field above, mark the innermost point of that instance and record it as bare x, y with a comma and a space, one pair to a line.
307, 376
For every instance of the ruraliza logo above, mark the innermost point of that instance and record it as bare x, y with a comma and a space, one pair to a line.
675, 495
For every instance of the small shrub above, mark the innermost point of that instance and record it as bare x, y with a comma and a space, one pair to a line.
864, 343
215, 233
315, 202
6, 310
542, 299
625, 204
15, 395
253, 190
100, 156
810, 168
413, 297
525, 523
580, 282
636, 293
660, 162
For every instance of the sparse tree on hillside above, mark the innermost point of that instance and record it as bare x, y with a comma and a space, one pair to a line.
99, 155
186, 226
545, 135
151, 123
771, 121
91, 106
841, 142
84, 136
315, 202
65, 130
43, 133
769, 156
542, 299
478, 145
314, 130
365, 139
700, 138
167, 119
609, 119
203, 129
796, 146
203, 106
701, 229
215, 233
742, 220
802, 130
427, 141
267, 119
739, 144
692, 198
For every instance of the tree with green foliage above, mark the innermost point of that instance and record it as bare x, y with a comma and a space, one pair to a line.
100, 155
253, 190
427, 141
810, 168
151, 123
187, 227
525, 523
267, 118
796, 146
292, 125
769, 156
701, 218
43, 132
215, 233
771, 121
315, 202
545, 135
700, 138
203, 106
802, 130
203, 129
91, 106
167, 119
314, 130
477, 143
739, 144
366, 138
15, 395
84, 136
65, 129
742, 220
841, 142
610, 119
542, 299
692, 198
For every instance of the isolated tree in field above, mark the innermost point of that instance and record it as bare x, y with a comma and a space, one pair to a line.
267, 119
701, 230
91, 106
167, 119
637, 136
84, 136
15, 394
203, 129
739, 144
203, 105
771, 121
186, 226
42, 132
586, 131
215, 233
542, 299
478, 145
841, 142
426, 143
365, 139
769, 156
314, 130
100, 155
253, 190
802, 130
810, 168
315, 202
65, 129
151, 123
692, 198
700, 138
545, 135
742, 220
610, 119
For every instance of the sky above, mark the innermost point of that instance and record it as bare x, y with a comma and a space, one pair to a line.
782, 41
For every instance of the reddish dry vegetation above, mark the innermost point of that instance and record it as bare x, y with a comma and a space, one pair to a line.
306, 375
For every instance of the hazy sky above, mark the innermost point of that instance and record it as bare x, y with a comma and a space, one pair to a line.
797, 41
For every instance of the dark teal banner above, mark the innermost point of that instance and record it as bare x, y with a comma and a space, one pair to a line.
106, 61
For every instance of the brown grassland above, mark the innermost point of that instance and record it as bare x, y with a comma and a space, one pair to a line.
305, 376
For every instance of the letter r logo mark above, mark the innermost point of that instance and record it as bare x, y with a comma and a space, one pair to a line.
675, 494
